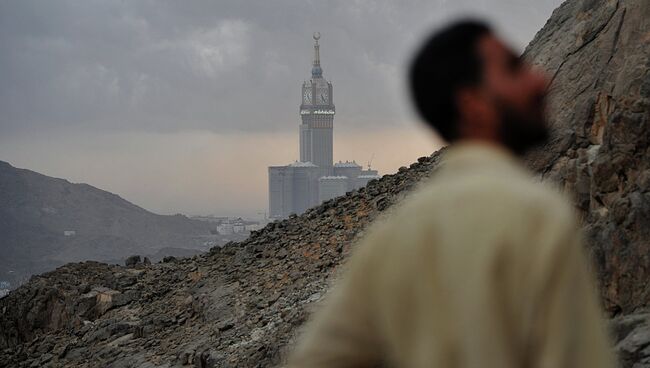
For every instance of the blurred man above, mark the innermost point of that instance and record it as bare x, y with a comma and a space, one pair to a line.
482, 266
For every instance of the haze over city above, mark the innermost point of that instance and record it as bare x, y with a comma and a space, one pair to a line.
180, 107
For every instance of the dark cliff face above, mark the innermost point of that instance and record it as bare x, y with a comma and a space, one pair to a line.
598, 55
35, 210
243, 304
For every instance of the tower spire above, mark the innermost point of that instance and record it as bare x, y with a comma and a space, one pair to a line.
316, 70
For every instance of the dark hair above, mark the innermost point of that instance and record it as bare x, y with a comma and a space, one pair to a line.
447, 61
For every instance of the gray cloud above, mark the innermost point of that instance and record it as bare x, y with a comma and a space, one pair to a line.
180, 106
223, 66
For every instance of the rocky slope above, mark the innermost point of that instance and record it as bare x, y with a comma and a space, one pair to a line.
236, 306
35, 210
241, 305
598, 54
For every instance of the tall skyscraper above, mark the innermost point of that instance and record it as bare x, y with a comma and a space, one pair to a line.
317, 114
315, 178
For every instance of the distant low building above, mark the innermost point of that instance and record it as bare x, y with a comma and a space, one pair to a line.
225, 225
363, 180
332, 186
253, 227
69, 233
239, 227
225, 228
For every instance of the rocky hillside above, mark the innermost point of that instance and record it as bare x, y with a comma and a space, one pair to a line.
241, 305
236, 306
598, 54
35, 210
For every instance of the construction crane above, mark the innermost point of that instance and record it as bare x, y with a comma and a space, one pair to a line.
370, 161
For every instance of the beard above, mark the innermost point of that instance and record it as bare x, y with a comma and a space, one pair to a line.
523, 131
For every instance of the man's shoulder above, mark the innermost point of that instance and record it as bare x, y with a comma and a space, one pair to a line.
470, 200
456, 215
515, 192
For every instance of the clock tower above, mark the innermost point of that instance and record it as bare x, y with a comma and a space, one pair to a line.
317, 115
300, 185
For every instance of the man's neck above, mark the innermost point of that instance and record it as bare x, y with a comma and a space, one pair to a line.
477, 140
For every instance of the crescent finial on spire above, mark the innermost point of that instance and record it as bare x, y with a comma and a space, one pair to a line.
316, 70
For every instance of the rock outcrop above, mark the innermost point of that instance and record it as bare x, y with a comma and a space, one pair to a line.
598, 54
241, 305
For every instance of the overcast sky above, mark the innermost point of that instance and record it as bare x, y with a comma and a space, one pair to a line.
179, 106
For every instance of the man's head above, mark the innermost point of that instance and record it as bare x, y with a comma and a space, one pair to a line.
468, 85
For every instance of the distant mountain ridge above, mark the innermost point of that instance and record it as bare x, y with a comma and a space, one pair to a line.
46, 222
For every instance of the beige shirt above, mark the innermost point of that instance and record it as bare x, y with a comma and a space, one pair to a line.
481, 267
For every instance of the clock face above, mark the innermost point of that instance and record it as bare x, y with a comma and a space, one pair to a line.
323, 97
306, 96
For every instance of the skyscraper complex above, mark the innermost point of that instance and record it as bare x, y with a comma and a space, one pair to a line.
315, 178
